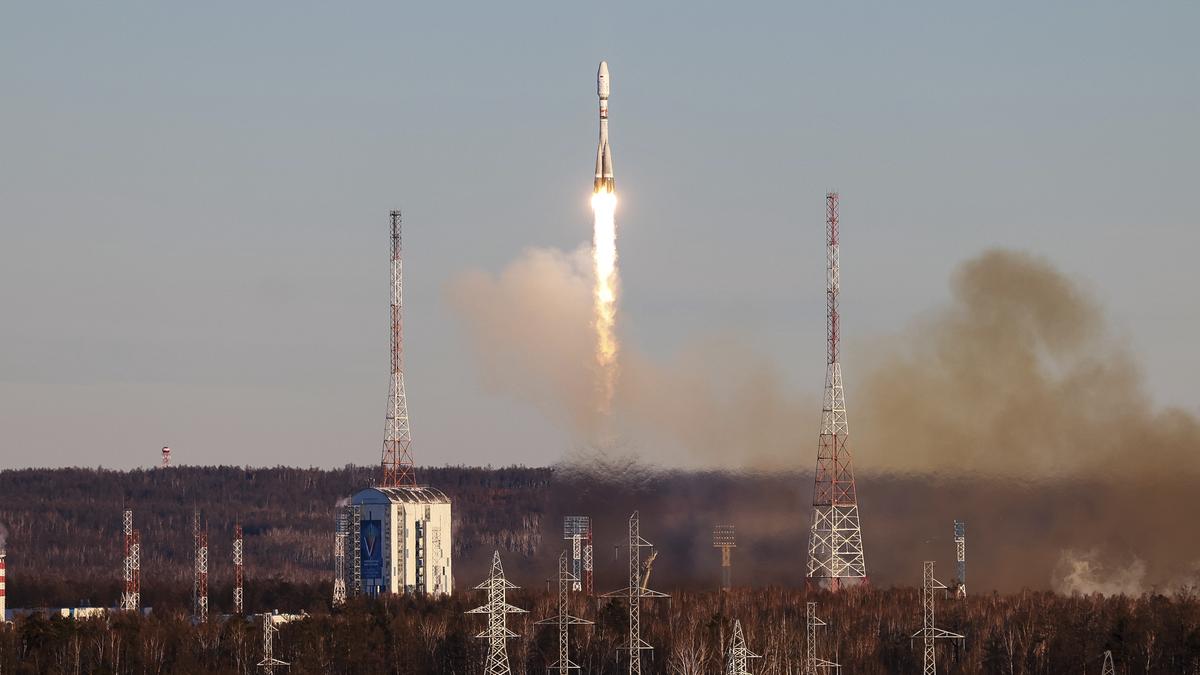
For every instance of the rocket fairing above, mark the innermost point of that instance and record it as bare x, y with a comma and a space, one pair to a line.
604, 167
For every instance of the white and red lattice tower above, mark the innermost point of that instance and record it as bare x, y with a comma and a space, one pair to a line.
397, 437
239, 572
835, 546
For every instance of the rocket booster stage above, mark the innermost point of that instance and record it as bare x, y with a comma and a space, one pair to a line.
604, 168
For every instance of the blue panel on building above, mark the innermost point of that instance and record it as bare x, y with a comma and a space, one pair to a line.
372, 549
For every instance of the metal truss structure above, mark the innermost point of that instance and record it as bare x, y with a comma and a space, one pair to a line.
238, 572
397, 461
634, 592
812, 662
566, 582
835, 546
739, 654
200, 581
960, 559
339, 559
131, 597
269, 663
929, 632
497, 609
724, 540
355, 513
578, 531
1108, 668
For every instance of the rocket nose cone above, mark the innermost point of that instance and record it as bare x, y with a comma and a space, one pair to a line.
602, 81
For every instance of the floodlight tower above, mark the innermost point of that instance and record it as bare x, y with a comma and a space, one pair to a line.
497, 609
960, 559
238, 572
578, 531
166, 457
634, 592
397, 461
723, 539
929, 632
735, 664
835, 546
812, 662
564, 620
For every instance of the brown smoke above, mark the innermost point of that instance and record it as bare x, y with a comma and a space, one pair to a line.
1017, 377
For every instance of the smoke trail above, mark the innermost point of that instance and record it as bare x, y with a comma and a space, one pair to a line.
604, 256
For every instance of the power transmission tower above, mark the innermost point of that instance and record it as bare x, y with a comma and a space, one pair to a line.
1108, 664
812, 662
960, 559
929, 632
835, 546
723, 539
238, 572
269, 663
735, 664
566, 582
497, 609
339, 559
578, 531
634, 592
397, 461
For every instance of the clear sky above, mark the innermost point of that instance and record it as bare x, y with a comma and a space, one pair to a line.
194, 197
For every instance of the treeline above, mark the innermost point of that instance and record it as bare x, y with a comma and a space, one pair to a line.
868, 632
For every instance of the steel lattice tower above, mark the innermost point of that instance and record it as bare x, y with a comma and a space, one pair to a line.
355, 513
812, 662
633, 593
1108, 668
497, 609
835, 547
397, 437
566, 581
578, 531
131, 598
723, 539
339, 559
735, 664
200, 583
929, 632
238, 572
269, 663
960, 559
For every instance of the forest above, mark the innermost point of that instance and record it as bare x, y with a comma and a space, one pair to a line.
64, 550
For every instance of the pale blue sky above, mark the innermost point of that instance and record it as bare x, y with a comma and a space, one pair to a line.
194, 197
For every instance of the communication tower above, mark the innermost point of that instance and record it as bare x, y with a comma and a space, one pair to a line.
397, 438
835, 546
634, 592
723, 539
238, 572
929, 632
566, 581
497, 609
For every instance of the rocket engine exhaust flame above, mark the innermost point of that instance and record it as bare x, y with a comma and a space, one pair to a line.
604, 258
604, 253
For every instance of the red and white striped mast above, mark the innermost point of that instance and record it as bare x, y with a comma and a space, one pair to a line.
397, 461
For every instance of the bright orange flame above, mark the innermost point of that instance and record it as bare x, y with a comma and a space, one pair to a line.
604, 257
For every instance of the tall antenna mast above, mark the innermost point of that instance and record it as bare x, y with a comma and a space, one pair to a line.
200, 583
835, 547
397, 437
497, 609
238, 572
566, 581
131, 598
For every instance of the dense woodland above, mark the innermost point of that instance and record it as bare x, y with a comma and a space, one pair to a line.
64, 549
868, 633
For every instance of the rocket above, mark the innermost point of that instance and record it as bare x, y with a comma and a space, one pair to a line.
604, 167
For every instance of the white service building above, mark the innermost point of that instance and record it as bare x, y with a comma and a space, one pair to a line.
404, 541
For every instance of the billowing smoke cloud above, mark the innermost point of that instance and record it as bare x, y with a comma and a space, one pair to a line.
716, 401
1013, 407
